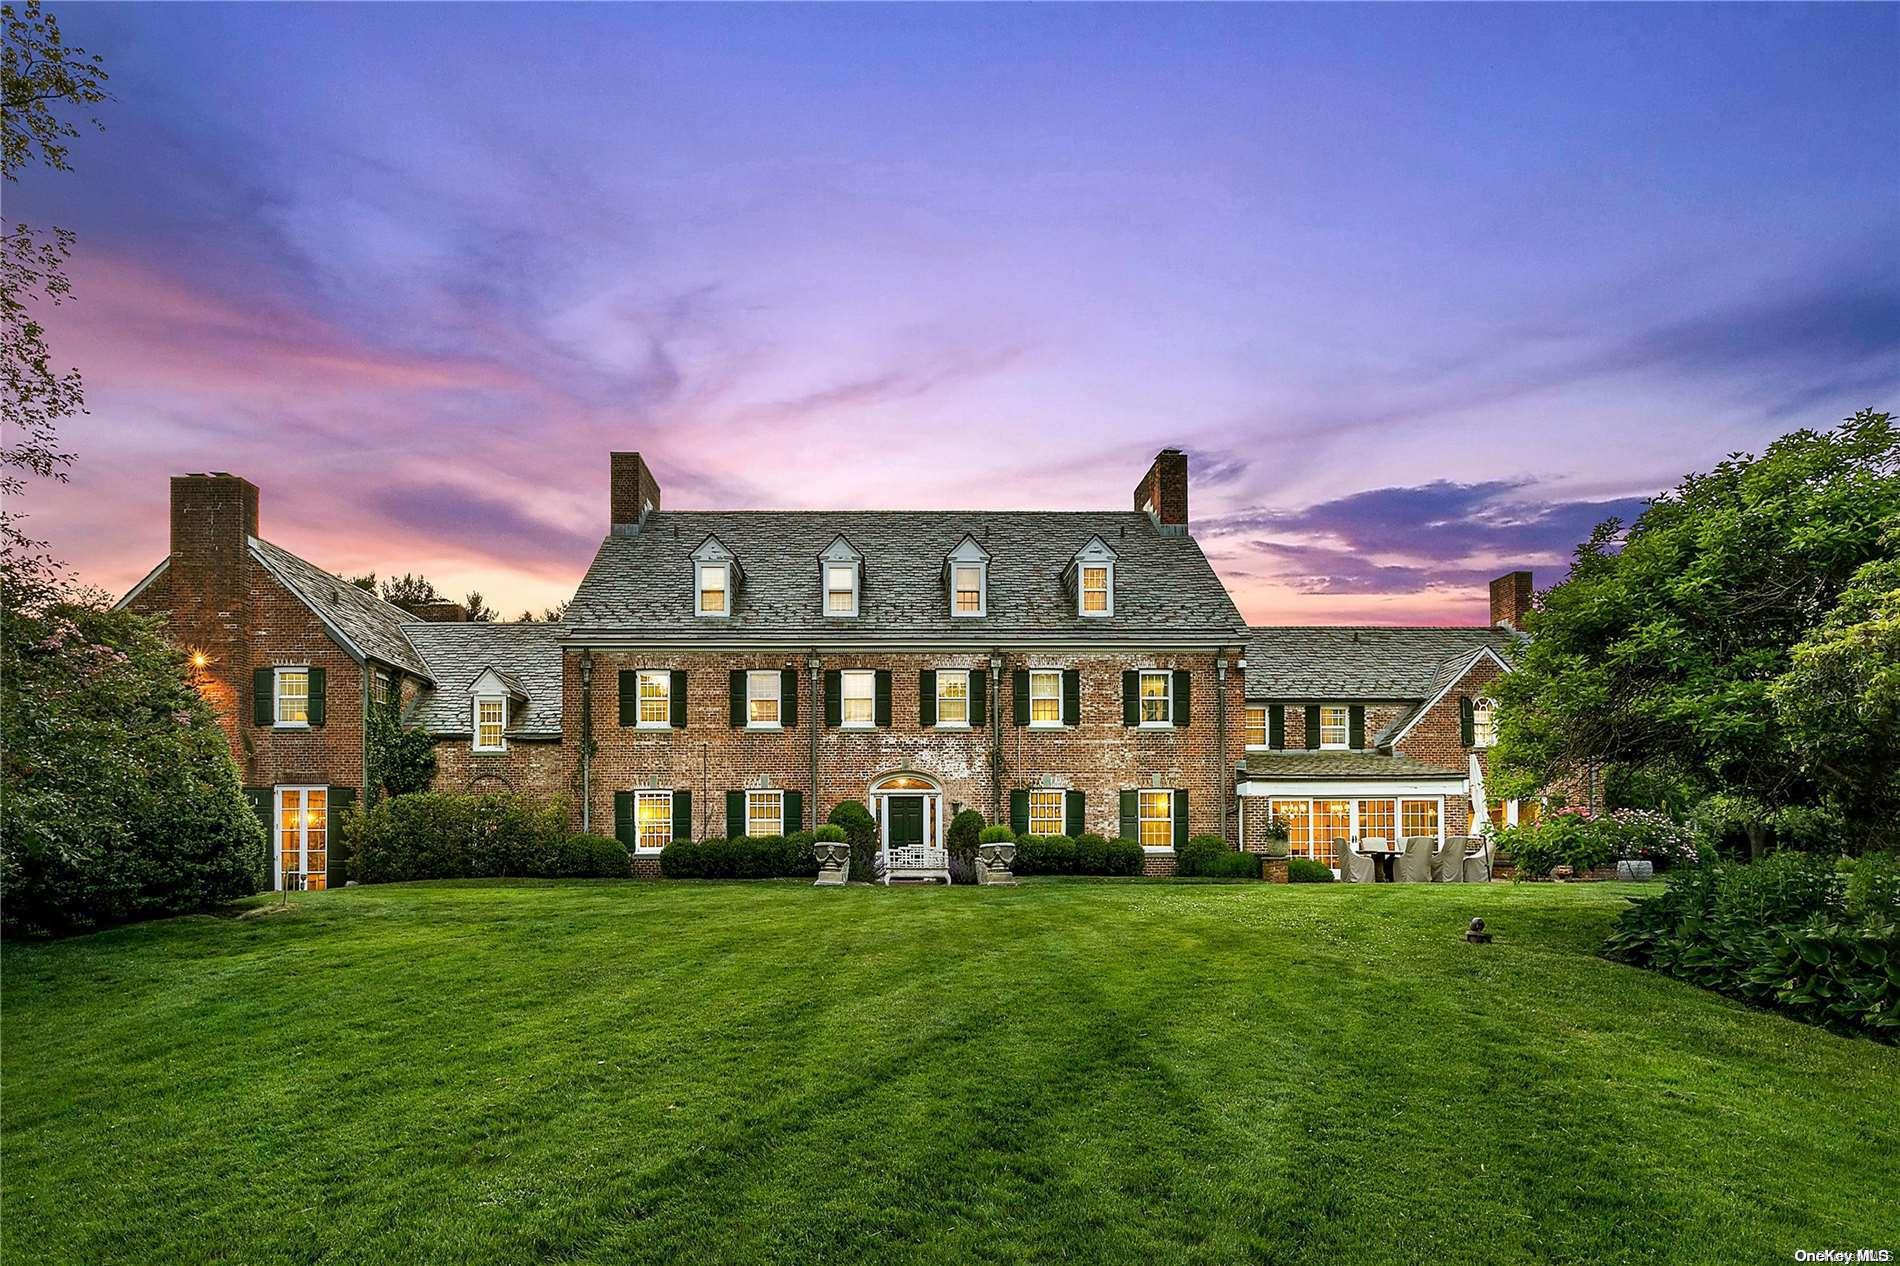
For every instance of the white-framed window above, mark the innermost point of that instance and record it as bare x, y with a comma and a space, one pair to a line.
953, 697
1046, 812
656, 699
1045, 698
1256, 726
857, 692
1157, 697
1484, 721
1156, 824
1097, 589
652, 820
713, 589
765, 813
381, 692
491, 718
762, 699
967, 589
293, 698
841, 588
302, 859
1335, 726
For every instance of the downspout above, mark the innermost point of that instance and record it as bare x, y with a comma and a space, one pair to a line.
996, 738
814, 720
1220, 720
368, 677
587, 741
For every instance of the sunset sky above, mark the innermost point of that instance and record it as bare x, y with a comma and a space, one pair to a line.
1424, 292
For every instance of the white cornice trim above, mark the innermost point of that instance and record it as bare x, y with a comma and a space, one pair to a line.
962, 643
1432, 702
140, 588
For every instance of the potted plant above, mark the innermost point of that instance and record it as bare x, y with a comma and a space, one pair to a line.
1275, 833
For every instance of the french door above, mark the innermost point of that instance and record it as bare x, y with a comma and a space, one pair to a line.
303, 837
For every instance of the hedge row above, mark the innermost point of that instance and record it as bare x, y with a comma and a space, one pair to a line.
748, 857
1088, 854
441, 835
1211, 857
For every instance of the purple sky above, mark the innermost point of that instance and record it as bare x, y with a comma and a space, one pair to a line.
1424, 291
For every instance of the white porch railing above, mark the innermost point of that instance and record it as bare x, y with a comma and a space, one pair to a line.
913, 861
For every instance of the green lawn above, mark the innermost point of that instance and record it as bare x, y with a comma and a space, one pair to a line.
1092, 1072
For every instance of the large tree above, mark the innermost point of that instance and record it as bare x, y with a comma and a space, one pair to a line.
1659, 653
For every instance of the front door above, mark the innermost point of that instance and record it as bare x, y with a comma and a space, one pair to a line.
303, 837
906, 817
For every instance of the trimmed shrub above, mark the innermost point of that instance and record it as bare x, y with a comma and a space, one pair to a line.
860, 830
1231, 865
441, 835
1123, 857
591, 857
799, 861
998, 834
966, 830
1304, 870
1091, 854
1044, 855
829, 834
748, 857
1199, 852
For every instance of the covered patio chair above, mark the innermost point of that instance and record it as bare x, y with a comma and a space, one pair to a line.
1478, 864
1448, 863
1415, 864
1354, 866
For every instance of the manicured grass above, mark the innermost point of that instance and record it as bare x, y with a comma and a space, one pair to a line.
1091, 1072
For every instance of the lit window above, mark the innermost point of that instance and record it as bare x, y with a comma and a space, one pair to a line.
1334, 727
1256, 727
1157, 819
656, 697
1045, 812
1298, 817
1332, 824
1045, 698
293, 696
652, 819
1157, 698
712, 588
303, 833
762, 698
1484, 721
491, 715
1378, 818
1419, 817
858, 692
841, 589
953, 697
1095, 590
764, 813
969, 589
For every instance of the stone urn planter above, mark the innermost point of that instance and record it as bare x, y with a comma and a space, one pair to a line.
1637, 869
992, 863
834, 862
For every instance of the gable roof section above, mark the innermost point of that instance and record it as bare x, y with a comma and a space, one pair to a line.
524, 656
1348, 662
1449, 673
368, 627
640, 586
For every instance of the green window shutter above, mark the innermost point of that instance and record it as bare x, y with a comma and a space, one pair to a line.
794, 811
623, 818
1074, 817
1131, 815
1019, 691
735, 696
1356, 726
926, 698
1071, 696
834, 698
1467, 728
1019, 812
735, 814
1276, 725
788, 697
979, 689
1312, 729
260, 798
1180, 817
682, 814
263, 696
337, 859
318, 694
676, 699
629, 696
1131, 697
881, 703
1183, 698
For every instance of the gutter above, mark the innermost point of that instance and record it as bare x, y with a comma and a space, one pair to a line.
587, 741
1220, 719
814, 721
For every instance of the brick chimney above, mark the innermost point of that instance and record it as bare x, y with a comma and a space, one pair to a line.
443, 612
212, 518
1511, 599
633, 493
1162, 492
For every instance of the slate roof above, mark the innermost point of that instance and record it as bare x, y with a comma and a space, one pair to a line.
1348, 662
526, 655
373, 626
642, 583
1269, 766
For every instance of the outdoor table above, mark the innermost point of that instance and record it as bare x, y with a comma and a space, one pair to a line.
1384, 858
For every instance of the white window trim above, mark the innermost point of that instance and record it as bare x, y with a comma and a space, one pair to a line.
639, 687
779, 796
844, 695
1345, 744
824, 587
1081, 576
1492, 708
1146, 791
752, 678
1167, 674
303, 831
699, 589
1045, 725
640, 850
277, 697
1062, 809
475, 720
982, 589
1266, 728
966, 674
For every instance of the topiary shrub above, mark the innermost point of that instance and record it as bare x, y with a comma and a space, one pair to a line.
683, 859
1199, 852
1091, 854
590, 857
799, 861
860, 831
966, 831
748, 857
1044, 855
1124, 857
1304, 870
998, 834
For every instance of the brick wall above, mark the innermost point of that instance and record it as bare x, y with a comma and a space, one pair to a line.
532, 768
1435, 738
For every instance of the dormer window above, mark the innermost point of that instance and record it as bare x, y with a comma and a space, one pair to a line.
715, 575
968, 570
1095, 589
1091, 577
841, 574
491, 719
